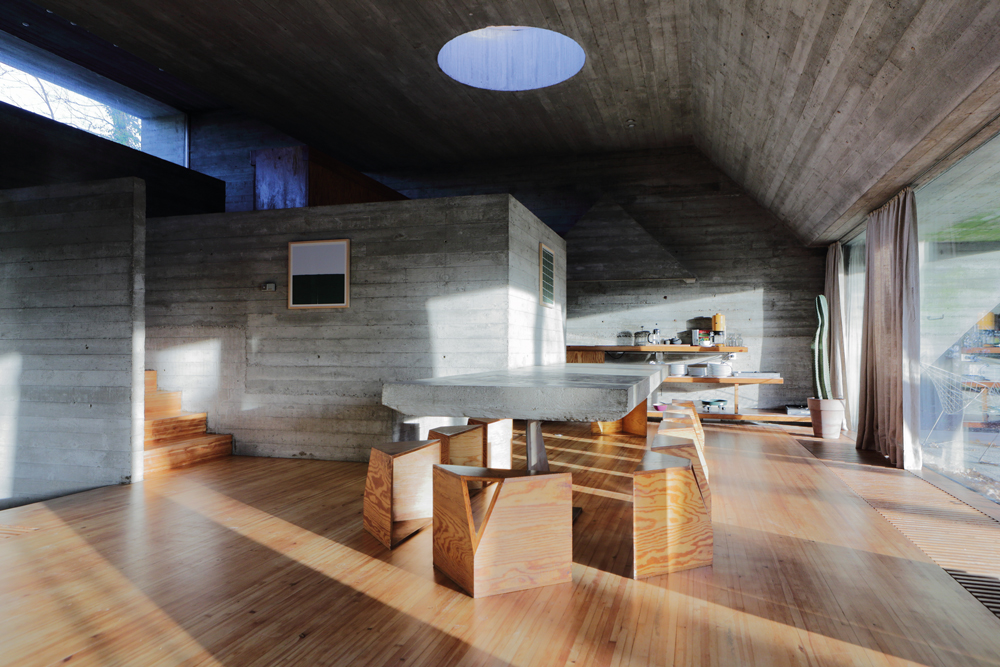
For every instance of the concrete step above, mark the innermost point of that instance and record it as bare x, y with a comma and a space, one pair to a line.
163, 404
164, 430
183, 453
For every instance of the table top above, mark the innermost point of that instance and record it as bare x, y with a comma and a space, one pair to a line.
556, 392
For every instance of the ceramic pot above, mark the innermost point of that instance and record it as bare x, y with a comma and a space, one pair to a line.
827, 416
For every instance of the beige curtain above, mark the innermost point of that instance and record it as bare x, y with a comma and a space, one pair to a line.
838, 342
890, 352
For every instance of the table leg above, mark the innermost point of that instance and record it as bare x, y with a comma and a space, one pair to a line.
535, 446
537, 459
736, 399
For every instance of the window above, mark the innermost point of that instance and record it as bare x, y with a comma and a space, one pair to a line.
958, 222
546, 276
43, 83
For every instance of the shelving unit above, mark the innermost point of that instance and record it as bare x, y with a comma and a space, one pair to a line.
594, 354
715, 349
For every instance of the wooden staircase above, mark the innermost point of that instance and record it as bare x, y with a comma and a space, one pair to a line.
175, 439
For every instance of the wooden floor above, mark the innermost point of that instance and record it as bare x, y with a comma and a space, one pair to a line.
245, 562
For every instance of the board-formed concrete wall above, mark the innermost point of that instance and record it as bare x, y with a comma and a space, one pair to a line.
71, 338
431, 295
748, 265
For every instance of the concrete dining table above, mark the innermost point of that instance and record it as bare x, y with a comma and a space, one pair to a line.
554, 392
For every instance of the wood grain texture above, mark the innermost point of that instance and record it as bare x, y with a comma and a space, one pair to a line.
519, 528
461, 445
634, 423
169, 571
584, 357
672, 525
175, 439
498, 435
398, 499
377, 507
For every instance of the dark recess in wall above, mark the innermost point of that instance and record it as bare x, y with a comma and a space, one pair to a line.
39, 151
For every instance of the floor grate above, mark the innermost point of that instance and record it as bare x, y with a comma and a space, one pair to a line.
14, 531
962, 540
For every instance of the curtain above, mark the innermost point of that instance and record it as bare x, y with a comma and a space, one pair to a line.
834, 291
890, 352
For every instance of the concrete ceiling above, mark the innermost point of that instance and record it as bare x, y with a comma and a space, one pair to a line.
820, 109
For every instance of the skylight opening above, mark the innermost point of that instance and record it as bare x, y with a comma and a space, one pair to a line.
511, 58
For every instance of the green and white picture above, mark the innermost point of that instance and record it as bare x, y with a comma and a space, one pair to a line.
319, 274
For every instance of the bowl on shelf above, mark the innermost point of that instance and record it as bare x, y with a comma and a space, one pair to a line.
720, 370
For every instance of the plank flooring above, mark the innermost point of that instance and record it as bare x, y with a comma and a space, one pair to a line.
247, 561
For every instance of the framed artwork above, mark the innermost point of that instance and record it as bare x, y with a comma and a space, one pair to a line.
319, 274
546, 276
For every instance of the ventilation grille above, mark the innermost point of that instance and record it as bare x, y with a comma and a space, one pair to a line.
961, 539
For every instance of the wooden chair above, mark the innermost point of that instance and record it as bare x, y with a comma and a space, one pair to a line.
516, 533
671, 519
461, 445
399, 493
498, 437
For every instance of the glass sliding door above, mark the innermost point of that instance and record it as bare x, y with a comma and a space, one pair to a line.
958, 218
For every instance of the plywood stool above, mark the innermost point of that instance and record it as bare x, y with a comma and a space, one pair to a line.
634, 423
691, 449
461, 445
671, 523
399, 490
516, 533
498, 436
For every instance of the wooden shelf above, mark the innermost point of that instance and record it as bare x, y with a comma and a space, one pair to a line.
653, 348
981, 350
729, 380
751, 416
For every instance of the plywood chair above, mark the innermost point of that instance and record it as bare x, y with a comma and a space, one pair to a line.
516, 533
498, 437
399, 493
671, 519
461, 445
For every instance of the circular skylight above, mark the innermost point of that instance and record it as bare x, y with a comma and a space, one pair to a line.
511, 58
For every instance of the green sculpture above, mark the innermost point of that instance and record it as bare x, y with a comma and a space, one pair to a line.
820, 359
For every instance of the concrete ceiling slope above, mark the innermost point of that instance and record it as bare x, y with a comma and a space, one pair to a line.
810, 105
815, 105
359, 78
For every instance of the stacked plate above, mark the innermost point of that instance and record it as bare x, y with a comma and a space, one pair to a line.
697, 371
720, 370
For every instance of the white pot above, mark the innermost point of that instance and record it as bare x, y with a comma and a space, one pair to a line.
827, 416
678, 369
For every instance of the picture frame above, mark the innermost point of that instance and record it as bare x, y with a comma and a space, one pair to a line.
319, 274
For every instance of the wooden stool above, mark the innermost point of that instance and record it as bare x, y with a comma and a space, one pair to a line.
461, 445
498, 435
399, 493
671, 521
634, 423
516, 533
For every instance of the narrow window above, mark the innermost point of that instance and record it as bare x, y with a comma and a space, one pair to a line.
546, 276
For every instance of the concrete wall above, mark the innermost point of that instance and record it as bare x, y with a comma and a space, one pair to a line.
71, 338
748, 265
536, 334
220, 145
431, 295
